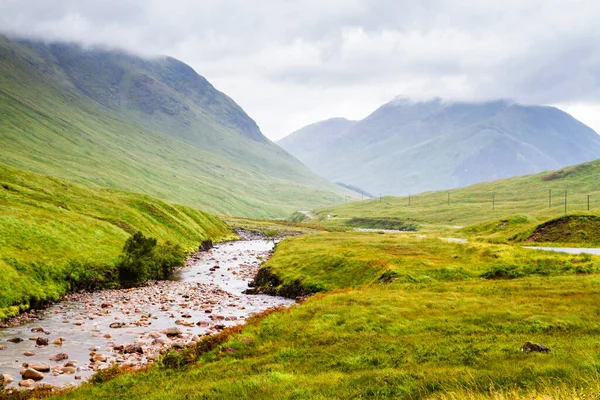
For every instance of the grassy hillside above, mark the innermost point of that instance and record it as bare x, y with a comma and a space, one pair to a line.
445, 323
53, 232
108, 119
526, 195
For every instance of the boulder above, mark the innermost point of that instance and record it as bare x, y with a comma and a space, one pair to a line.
30, 373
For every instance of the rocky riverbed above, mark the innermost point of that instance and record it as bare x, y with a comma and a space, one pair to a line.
66, 343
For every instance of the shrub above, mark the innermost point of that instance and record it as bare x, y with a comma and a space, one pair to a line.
143, 259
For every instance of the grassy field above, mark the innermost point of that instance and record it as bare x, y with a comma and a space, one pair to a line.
53, 231
526, 195
402, 316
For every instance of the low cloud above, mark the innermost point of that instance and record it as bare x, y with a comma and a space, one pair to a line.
290, 63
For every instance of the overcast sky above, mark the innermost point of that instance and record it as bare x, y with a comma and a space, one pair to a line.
289, 63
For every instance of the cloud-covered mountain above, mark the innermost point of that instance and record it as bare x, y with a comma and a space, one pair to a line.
151, 125
409, 147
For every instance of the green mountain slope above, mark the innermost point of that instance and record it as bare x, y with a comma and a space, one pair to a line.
406, 147
539, 196
154, 126
54, 233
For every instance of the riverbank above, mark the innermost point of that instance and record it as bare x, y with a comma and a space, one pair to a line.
88, 332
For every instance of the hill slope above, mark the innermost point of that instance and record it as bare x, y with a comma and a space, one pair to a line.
54, 234
150, 125
540, 196
407, 147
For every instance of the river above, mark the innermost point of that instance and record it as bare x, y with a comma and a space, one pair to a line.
203, 298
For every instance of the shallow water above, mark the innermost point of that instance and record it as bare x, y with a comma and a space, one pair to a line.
202, 299
570, 250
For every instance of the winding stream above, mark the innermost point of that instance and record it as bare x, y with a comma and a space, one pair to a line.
130, 326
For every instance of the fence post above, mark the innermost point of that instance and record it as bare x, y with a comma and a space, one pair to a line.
565, 201
550, 198
448, 198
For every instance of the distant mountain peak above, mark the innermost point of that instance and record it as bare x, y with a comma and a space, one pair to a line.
409, 146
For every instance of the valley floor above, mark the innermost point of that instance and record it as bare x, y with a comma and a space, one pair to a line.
400, 316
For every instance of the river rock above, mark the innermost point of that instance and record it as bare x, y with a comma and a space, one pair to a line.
133, 348
41, 367
30, 373
2, 347
172, 332
29, 354
116, 325
27, 383
37, 329
68, 370
15, 340
59, 357
98, 358
5, 379
71, 363
41, 341
58, 341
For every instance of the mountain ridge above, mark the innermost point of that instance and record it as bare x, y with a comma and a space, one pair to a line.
412, 146
107, 118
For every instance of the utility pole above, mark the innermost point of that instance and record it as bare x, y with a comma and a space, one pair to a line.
362, 197
588, 202
409, 199
565, 201
379, 197
448, 198
550, 198
493, 201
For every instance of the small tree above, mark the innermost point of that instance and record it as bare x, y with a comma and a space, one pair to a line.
137, 262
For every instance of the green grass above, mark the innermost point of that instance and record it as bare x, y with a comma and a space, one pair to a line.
527, 196
197, 158
51, 229
436, 330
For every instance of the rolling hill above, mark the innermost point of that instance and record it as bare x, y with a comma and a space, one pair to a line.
107, 118
409, 147
536, 197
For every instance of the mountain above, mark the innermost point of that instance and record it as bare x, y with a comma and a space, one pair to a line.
308, 142
151, 125
409, 147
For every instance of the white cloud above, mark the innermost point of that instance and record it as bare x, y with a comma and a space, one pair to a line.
290, 63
